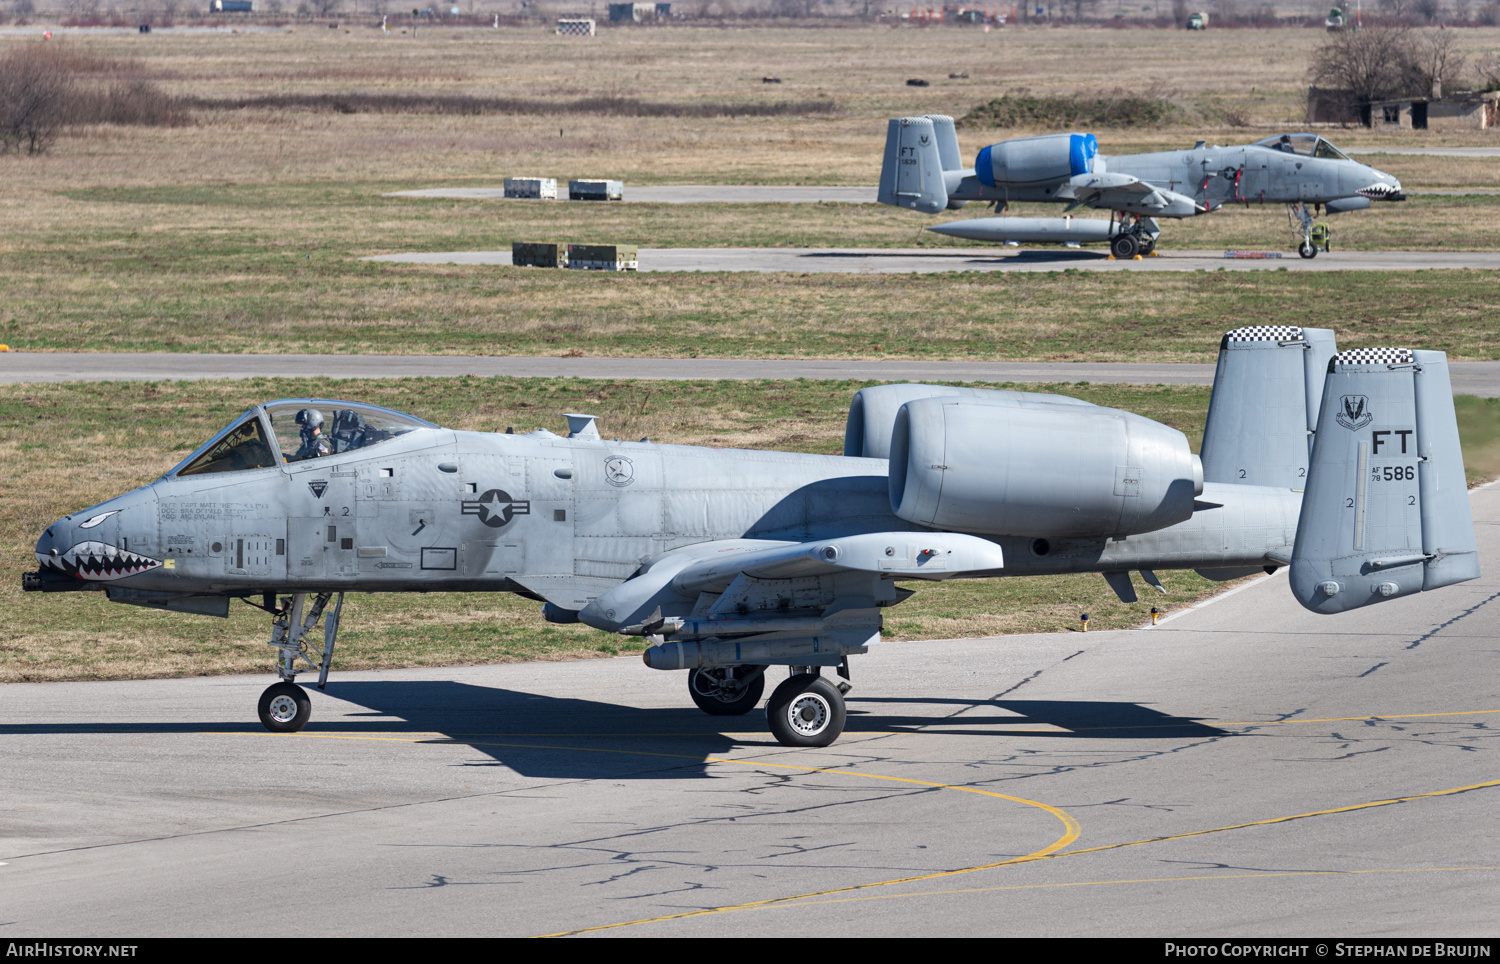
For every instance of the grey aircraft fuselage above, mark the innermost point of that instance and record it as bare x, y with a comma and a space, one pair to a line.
1215, 176
563, 519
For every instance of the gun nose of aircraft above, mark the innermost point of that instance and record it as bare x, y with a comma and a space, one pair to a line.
1377, 185
110, 541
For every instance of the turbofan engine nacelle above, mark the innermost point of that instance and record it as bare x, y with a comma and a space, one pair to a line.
1038, 160
1027, 468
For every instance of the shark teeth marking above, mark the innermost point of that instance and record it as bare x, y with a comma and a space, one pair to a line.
98, 562
1376, 191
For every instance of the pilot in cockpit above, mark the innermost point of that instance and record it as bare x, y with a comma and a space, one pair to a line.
314, 443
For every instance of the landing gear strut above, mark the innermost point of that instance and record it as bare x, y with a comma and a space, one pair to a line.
807, 710
284, 706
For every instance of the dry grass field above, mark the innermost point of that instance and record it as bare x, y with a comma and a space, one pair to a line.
239, 229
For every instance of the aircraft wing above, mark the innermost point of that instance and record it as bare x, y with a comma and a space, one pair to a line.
910, 555
759, 586
1122, 192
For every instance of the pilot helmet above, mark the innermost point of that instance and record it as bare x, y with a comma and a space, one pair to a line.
309, 419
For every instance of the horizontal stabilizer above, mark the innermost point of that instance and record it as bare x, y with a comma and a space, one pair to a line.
1386, 512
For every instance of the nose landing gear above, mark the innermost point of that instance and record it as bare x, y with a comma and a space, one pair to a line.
1312, 237
284, 706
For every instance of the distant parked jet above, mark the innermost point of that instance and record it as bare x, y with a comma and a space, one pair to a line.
923, 171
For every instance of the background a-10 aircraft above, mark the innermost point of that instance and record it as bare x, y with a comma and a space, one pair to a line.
922, 170
1344, 466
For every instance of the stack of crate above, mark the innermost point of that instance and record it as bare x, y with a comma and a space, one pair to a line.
592, 190
585, 257
603, 257
545, 254
544, 188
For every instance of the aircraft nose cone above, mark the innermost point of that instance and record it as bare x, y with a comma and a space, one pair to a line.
47, 547
96, 545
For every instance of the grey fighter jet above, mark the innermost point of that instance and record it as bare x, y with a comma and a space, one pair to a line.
728, 562
923, 171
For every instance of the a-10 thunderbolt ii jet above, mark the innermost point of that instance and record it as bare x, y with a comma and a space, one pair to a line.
923, 171
729, 561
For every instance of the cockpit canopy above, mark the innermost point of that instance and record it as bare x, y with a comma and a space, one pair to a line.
1308, 145
269, 435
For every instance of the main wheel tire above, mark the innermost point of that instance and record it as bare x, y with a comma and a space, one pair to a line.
1148, 245
285, 707
806, 710
718, 696
1307, 250
1124, 247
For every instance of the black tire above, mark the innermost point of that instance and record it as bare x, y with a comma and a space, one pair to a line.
1148, 245
806, 710
708, 690
1124, 246
1307, 250
285, 707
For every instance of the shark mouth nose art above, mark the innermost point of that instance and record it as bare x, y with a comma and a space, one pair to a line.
1377, 190
98, 561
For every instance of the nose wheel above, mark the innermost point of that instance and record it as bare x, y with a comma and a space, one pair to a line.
805, 711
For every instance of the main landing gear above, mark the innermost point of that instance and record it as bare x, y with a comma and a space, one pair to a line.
1133, 240
805, 710
727, 690
285, 707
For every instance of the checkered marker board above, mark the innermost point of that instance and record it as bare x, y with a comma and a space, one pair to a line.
1265, 333
1372, 356
575, 28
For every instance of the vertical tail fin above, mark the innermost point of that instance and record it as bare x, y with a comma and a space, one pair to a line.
912, 173
1386, 512
946, 133
1265, 404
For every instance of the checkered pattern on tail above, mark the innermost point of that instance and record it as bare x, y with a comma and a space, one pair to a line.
1265, 333
1373, 356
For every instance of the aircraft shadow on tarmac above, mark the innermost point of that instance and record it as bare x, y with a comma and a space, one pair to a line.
546, 736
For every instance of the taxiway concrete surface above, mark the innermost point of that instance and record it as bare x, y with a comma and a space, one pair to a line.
928, 260
1469, 378
1245, 769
